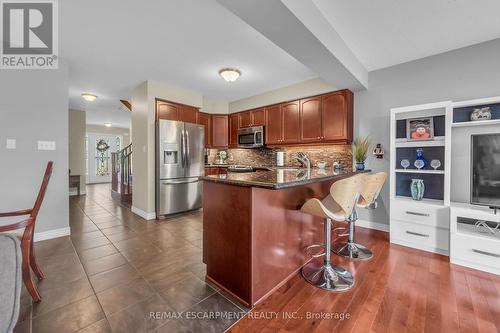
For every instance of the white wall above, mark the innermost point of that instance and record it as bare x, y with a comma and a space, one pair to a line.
295, 91
34, 106
468, 73
76, 145
215, 107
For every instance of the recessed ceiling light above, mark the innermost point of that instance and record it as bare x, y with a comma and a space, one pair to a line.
108, 124
89, 97
230, 74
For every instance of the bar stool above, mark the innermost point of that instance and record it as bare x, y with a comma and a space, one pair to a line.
370, 189
338, 206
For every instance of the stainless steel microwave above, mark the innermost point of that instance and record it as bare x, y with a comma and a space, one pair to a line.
251, 137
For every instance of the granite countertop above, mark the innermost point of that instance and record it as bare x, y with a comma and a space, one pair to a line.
279, 178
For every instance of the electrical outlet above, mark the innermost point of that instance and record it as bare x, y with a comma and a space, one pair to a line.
46, 145
11, 144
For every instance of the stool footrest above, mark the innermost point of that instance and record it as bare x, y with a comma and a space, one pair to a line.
314, 246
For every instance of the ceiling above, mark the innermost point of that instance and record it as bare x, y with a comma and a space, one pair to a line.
114, 45
384, 33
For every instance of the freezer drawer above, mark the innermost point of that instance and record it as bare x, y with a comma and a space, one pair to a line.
178, 195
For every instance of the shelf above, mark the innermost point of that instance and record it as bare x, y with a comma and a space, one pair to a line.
476, 123
437, 142
423, 201
435, 172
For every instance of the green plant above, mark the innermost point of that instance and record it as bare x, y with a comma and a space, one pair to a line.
360, 148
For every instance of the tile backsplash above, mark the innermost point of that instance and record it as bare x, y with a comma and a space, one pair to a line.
267, 156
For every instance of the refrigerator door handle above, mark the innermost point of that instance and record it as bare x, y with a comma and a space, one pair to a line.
188, 162
183, 155
173, 182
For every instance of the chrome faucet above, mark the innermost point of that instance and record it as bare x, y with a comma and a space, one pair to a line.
303, 160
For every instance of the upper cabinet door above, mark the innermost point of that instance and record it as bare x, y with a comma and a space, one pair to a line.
219, 131
205, 120
245, 119
258, 117
273, 129
310, 124
337, 114
188, 114
167, 111
290, 122
233, 129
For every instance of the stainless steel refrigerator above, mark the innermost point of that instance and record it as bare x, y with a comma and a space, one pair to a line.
179, 163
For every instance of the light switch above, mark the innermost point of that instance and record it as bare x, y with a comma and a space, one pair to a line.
46, 145
11, 143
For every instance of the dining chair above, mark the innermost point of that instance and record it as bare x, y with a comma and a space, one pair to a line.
29, 260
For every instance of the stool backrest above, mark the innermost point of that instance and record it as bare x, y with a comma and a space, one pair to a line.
371, 187
345, 192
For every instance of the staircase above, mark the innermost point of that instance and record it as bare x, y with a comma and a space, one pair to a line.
121, 174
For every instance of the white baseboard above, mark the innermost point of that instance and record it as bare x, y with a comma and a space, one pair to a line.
45, 235
372, 225
75, 192
143, 214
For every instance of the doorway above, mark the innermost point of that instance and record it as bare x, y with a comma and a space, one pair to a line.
98, 150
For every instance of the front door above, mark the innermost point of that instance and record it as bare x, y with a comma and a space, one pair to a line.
99, 149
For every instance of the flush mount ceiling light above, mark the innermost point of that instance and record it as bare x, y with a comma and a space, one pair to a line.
108, 124
89, 97
230, 74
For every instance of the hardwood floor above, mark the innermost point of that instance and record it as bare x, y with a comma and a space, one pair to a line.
398, 290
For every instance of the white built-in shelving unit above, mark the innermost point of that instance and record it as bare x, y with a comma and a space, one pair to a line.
419, 224
444, 224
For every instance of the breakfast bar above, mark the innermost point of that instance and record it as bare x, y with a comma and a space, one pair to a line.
254, 234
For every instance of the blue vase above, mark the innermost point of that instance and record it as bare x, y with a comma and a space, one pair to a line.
420, 156
417, 188
360, 166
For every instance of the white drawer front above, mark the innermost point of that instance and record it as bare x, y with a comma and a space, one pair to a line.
476, 250
422, 235
430, 215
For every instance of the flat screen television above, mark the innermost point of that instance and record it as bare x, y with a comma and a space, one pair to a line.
485, 187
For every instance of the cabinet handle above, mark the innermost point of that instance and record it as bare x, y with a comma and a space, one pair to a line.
416, 234
416, 213
486, 253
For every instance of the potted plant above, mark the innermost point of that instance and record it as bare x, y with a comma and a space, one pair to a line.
360, 148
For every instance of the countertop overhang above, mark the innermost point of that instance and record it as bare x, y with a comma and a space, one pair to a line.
280, 178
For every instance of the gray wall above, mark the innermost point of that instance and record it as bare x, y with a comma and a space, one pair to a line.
34, 106
468, 73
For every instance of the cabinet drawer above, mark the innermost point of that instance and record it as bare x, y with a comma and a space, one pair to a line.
430, 215
420, 235
479, 251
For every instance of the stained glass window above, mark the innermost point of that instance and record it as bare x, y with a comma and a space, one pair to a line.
102, 157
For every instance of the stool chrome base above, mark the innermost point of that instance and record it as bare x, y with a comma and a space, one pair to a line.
327, 277
352, 251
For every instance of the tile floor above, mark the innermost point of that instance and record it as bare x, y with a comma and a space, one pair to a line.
120, 273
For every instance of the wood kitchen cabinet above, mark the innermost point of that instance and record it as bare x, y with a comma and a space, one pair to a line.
219, 131
282, 123
290, 116
244, 119
233, 129
188, 114
251, 118
273, 120
310, 120
258, 117
205, 119
167, 111
337, 116
174, 111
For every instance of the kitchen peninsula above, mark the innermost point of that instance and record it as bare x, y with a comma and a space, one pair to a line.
254, 234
